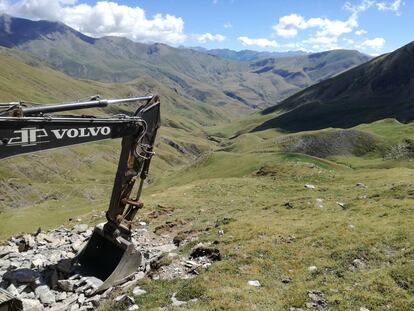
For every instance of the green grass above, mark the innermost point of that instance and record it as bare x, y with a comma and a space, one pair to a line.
266, 241
263, 239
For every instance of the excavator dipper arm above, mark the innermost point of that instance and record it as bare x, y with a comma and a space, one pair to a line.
32, 129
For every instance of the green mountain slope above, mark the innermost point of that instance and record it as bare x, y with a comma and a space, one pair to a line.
381, 88
196, 75
344, 244
84, 172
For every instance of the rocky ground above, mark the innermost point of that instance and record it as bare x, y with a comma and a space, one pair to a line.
36, 268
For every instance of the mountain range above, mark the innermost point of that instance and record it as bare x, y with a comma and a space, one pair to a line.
247, 55
198, 76
339, 88
381, 88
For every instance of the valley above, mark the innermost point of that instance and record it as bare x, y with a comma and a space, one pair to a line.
297, 168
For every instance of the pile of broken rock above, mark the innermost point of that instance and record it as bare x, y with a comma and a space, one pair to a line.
36, 268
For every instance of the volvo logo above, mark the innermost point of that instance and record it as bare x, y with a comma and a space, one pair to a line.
31, 136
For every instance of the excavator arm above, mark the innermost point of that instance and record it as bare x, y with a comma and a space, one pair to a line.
32, 129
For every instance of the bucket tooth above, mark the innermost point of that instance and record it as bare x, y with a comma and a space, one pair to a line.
111, 260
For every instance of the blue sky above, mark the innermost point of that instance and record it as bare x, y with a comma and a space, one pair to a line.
371, 26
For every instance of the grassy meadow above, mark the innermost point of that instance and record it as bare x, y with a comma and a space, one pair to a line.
351, 237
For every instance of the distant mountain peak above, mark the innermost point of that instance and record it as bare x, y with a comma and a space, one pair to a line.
381, 88
16, 30
246, 55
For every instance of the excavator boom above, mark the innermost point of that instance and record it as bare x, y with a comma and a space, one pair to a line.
32, 129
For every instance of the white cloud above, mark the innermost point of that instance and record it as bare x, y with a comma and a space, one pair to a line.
375, 44
292, 45
361, 32
390, 6
359, 8
321, 40
70, 2
289, 25
3, 6
262, 42
349, 41
228, 25
323, 33
104, 18
209, 37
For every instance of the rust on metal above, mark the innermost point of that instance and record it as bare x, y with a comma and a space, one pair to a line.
137, 204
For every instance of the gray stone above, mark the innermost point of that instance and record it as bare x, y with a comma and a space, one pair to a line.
137, 291
124, 300
37, 263
58, 307
80, 228
133, 308
24, 288
175, 302
45, 294
319, 202
13, 290
73, 238
87, 233
14, 265
32, 305
317, 298
128, 284
309, 186
67, 285
4, 264
28, 295
40, 239
95, 300
61, 296
286, 280
87, 307
254, 283
30, 241
341, 204
54, 257
77, 245
139, 275
5, 250
92, 282
51, 239
166, 248
66, 304
358, 263
81, 299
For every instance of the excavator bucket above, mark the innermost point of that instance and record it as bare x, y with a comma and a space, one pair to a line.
112, 260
